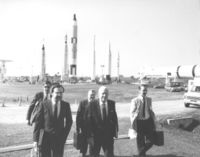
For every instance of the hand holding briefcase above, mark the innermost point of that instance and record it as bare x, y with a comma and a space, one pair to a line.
77, 140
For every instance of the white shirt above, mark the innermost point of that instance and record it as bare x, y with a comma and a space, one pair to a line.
53, 106
101, 106
140, 114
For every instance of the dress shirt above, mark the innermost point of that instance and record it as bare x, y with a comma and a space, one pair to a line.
55, 107
101, 108
147, 114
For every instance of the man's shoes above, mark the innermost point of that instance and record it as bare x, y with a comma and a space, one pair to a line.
142, 155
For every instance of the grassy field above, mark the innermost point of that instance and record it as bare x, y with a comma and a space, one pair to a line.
174, 142
77, 92
17, 134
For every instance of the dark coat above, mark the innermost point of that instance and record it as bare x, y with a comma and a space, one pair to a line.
45, 121
82, 117
110, 127
83, 124
37, 99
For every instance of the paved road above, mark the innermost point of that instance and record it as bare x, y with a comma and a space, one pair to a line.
17, 114
159, 107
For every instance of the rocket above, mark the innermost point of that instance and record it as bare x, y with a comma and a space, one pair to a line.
73, 65
118, 66
43, 70
109, 61
65, 72
94, 61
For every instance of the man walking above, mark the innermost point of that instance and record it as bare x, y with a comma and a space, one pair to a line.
40, 96
82, 122
143, 120
105, 123
53, 124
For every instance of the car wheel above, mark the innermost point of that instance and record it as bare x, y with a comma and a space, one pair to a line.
187, 105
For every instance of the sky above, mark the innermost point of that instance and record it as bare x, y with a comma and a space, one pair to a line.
148, 34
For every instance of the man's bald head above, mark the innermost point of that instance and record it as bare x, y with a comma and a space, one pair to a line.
103, 94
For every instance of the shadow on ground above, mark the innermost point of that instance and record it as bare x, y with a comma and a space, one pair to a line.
164, 155
191, 126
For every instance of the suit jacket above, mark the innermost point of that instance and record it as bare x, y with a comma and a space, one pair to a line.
110, 127
45, 121
37, 98
136, 104
82, 117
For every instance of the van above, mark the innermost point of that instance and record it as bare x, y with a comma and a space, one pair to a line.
192, 97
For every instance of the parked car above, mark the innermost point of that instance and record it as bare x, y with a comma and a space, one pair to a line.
159, 86
174, 87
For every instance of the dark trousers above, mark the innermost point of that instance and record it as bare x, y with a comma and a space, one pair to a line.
106, 142
85, 146
144, 138
51, 147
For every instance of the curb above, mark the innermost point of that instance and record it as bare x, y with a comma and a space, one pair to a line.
180, 122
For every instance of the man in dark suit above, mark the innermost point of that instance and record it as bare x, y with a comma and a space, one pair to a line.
40, 96
143, 120
53, 123
104, 124
82, 122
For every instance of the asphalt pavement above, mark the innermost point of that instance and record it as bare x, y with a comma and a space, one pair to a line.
12, 114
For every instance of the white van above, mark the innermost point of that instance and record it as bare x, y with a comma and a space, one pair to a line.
192, 97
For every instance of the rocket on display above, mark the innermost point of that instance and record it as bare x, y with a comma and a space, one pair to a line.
73, 65
94, 62
109, 61
65, 71
43, 70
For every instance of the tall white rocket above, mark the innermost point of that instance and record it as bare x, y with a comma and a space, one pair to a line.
73, 65
109, 61
94, 60
118, 65
43, 70
65, 70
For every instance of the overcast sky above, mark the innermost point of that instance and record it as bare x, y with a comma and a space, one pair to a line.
146, 33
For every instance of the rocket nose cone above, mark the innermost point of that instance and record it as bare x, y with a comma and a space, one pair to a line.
74, 17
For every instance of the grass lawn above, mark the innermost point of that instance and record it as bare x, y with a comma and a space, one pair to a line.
76, 92
178, 143
17, 134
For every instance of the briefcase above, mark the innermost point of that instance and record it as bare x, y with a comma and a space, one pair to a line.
78, 140
158, 138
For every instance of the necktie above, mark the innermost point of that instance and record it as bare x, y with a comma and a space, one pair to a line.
143, 110
103, 112
55, 111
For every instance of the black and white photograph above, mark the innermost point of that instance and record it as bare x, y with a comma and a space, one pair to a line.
99, 78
